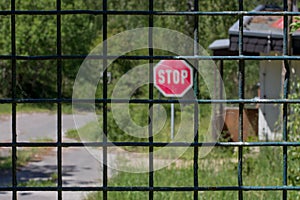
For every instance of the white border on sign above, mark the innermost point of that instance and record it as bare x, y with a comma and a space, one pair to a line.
174, 95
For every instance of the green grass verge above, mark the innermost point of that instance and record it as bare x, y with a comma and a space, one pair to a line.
263, 168
181, 177
49, 182
92, 131
89, 130
24, 156
33, 108
5, 108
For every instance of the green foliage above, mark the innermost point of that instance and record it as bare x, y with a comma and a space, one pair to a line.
139, 115
90, 132
215, 27
5, 163
293, 135
295, 25
36, 36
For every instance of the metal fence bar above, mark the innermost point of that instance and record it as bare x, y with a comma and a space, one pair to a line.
154, 144
145, 12
286, 52
59, 105
146, 57
154, 101
196, 106
105, 109
14, 105
241, 96
158, 189
151, 96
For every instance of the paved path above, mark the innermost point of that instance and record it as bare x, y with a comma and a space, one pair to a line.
80, 168
31, 126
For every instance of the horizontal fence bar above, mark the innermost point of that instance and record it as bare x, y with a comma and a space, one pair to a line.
154, 101
146, 12
158, 189
147, 144
113, 57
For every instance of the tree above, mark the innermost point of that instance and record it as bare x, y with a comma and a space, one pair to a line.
36, 36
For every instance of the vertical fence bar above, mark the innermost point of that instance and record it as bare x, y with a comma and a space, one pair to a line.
104, 91
196, 106
151, 78
284, 131
286, 52
241, 96
221, 69
14, 105
59, 96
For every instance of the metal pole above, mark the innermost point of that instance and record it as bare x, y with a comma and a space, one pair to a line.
172, 121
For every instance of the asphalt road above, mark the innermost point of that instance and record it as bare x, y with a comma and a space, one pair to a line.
32, 126
79, 167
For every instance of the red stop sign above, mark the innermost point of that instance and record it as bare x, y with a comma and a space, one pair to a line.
173, 78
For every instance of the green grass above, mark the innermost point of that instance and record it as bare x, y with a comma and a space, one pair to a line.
5, 108
49, 182
263, 168
24, 156
89, 130
5, 163
181, 178
33, 108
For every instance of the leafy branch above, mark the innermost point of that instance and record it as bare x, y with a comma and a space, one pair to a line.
295, 25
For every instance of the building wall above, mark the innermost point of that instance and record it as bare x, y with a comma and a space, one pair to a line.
271, 87
270, 77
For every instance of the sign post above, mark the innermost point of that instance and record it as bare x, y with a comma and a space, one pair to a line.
172, 121
173, 78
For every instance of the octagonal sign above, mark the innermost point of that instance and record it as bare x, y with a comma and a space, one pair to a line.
173, 78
